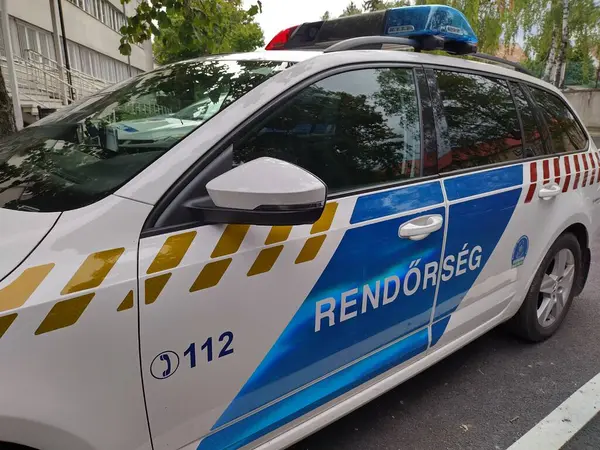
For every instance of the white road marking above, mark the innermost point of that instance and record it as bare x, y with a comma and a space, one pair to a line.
561, 424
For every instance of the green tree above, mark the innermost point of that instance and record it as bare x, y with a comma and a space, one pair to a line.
351, 10
554, 30
378, 5
238, 33
202, 25
7, 120
326, 15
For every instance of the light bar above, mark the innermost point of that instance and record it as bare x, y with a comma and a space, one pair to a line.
429, 20
431, 26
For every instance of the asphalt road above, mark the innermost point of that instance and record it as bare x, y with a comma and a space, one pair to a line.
486, 395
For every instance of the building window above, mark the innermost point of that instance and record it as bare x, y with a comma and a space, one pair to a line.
104, 11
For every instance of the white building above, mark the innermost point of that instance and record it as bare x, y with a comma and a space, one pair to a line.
93, 38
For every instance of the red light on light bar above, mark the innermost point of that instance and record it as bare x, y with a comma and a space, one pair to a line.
280, 39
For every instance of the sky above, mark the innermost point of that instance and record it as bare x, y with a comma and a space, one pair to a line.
278, 15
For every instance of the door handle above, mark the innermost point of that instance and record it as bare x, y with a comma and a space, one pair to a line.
549, 191
420, 227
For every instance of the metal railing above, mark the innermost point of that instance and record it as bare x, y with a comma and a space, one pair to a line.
54, 76
43, 81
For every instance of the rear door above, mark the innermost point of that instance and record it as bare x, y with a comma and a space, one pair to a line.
245, 329
497, 166
481, 163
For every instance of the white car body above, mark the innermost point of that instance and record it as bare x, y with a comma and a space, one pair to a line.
89, 303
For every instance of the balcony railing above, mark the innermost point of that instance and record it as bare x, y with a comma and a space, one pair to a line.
44, 82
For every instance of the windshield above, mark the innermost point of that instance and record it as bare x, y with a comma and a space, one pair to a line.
87, 150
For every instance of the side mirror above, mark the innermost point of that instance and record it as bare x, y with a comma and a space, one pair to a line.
265, 191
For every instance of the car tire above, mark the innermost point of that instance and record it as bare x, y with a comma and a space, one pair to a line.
551, 292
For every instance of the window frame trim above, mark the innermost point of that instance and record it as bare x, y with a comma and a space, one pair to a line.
518, 81
237, 134
441, 106
539, 110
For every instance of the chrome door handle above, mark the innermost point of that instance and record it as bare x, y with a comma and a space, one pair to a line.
549, 191
420, 227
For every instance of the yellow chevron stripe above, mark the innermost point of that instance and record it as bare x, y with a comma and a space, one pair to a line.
326, 219
172, 252
64, 313
18, 292
311, 249
265, 260
210, 275
154, 287
6, 322
230, 240
278, 234
313, 245
93, 270
127, 302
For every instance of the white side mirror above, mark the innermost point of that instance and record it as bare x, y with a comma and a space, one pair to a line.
266, 191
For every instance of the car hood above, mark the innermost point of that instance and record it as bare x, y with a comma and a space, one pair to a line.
20, 233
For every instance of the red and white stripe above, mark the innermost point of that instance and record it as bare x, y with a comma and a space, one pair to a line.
568, 174
586, 170
577, 171
583, 166
532, 180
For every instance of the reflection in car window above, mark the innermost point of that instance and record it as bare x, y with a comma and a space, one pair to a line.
88, 150
480, 123
566, 134
352, 130
534, 145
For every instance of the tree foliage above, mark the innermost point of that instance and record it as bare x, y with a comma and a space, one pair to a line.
351, 10
186, 28
238, 32
552, 31
7, 119
372, 5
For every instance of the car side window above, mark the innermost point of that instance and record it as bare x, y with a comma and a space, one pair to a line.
534, 134
352, 130
566, 133
480, 124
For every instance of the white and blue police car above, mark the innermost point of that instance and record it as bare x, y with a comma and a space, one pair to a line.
337, 215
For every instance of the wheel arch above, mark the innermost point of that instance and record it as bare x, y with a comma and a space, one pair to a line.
578, 225
580, 231
23, 434
12, 446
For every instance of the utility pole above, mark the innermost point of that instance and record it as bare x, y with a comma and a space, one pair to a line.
59, 57
10, 62
66, 51
128, 56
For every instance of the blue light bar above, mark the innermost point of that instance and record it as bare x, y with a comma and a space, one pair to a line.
432, 27
429, 20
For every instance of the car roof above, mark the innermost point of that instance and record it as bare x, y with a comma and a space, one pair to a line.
263, 55
353, 56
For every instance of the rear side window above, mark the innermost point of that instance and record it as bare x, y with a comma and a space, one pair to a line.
352, 130
480, 124
566, 133
534, 133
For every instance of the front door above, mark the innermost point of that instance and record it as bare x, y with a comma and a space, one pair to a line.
246, 328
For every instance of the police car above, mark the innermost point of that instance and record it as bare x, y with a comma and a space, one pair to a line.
345, 218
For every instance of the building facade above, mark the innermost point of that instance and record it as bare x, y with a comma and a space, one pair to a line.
93, 39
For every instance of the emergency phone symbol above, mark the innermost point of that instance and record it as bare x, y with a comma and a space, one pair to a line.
164, 365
